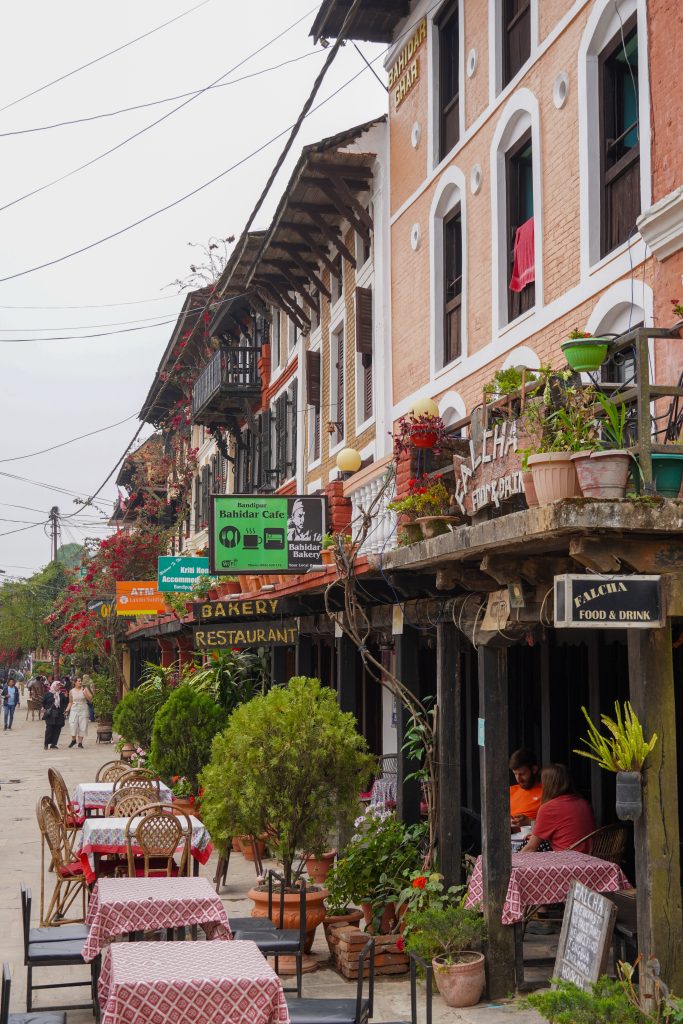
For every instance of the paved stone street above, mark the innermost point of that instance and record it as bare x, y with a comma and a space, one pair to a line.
23, 778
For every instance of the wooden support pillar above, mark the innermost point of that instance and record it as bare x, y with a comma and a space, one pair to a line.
278, 666
495, 818
594, 710
408, 792
347, 675
303, 656
449, 701
658, 870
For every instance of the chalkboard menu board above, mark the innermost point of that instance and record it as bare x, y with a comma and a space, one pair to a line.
585, 938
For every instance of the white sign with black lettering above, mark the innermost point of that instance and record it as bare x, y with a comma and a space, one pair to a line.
586, 936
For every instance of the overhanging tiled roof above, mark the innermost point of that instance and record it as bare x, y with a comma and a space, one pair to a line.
375, 20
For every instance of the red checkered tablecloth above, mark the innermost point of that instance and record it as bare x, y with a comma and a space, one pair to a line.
189, 983
121, 905
91, 796
538, 878
108, 835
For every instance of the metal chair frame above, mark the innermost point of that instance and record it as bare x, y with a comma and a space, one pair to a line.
140, 829
361, 1012
67, 887
48, 1017
415, 962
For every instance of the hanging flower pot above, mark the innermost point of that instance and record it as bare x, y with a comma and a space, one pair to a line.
585, 353
423, 438
629, 802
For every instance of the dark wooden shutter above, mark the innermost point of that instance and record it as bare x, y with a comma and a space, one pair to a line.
364, 321
367, 387
281, 436
313, 379
516, 36
205, 495
340, 385
266, 457
449, 75
197, 501
293, 419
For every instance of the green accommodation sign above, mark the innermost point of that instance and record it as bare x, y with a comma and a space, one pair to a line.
177, 574
255, 533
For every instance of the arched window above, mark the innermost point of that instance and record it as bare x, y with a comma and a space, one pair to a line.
513, 32
448, 278
522, 356
614, 126
517, 256
451, 408
627, 304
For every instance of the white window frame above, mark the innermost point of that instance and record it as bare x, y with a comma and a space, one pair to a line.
450, 192
434, 91
602, 26
520, 114
496, 49
311, 461
339, 325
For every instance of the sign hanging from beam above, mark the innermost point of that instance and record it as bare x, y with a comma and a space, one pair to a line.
245, 634
256, 533
609, 602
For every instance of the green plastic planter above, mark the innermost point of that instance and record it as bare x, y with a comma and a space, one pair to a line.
585, 354
667, 474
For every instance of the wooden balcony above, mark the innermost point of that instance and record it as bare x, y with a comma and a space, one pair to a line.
228, 382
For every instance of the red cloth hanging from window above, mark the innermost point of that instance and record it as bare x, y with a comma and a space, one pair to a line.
524, 268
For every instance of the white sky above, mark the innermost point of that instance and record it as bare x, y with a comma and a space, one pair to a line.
55, 390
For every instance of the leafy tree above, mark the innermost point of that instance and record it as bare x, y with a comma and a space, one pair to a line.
71, 555
24, 606
183, 730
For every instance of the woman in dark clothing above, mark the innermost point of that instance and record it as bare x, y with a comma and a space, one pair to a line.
54, 706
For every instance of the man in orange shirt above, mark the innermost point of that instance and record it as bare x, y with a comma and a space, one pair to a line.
525, 796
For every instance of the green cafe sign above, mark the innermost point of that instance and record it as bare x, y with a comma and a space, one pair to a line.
176, 574
255, 533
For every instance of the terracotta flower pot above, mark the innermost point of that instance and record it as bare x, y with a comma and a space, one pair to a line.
387, 921
231, 587
315, 910
183, 805
460, 984
235, 843
127, 751
529, 489
354, 917
247, 849
327, 556
412, 532
603, 474
318, 868
554, 475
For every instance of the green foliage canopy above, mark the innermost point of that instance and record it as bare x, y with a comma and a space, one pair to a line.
184, 728
134, 715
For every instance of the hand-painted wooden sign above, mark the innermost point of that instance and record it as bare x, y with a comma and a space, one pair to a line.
586, 936
219, 611
245, 634
492, 473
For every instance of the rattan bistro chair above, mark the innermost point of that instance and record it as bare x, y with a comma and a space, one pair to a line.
159, 836
607, 843
72, 817
139, 778
69, 877
46, 1017
339, 1011
111, 770
123, 803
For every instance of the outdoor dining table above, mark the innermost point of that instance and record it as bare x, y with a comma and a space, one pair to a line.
108, 835
196, 983
537, 879
94, 796
120, 906
383, 791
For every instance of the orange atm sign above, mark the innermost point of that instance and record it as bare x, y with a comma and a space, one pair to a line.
139, 597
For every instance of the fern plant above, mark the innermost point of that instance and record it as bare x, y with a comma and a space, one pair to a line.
625, 749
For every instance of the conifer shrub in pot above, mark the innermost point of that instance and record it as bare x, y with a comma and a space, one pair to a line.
451, 937
134, 716
289, 765
183, 731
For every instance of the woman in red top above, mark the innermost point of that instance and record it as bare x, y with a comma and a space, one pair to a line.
564, 817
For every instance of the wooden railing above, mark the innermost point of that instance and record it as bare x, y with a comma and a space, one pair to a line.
233, 369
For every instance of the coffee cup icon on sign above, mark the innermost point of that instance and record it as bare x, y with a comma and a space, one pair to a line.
229, 536
251, 541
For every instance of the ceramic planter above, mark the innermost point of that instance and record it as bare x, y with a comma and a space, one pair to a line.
183, 805
127, 751
318, 868
585, 354
327, 556
236, 848
529, 489
435, 526
423, 437
667, 472
248, 850
231, 587
315, 910
387, 921
353, 918
603, 474
554, 476
412, 532
629, 802
460, 984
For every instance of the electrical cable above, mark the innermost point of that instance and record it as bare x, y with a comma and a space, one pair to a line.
91, 433
103, 305
165, 99
49, 487
152, 124
103, 56
84, 327
84, 337
23, 528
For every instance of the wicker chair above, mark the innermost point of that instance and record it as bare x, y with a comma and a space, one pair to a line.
139, 778
607, 843
111, 770
124, 803
159, 836
72, 817
69, 877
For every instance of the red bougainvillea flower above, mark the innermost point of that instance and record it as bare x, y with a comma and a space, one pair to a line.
400, 943
419, 882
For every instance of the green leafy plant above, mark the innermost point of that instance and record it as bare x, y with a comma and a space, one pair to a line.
427, 496
605, 1003
230, 677
577, 335
425, 892
134, 716
445, 932
103, 696
625, 749
508, 381
183, 731
289, 765
614, 426
677, 308
328, 541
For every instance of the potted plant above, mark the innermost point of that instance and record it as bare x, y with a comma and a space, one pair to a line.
584, 352
318, 866
426, 506
183, 730
423, 431
327, 551
567, 425
623, 751
133, 717
289, 765
603, 472
371, 869
677, 310
451, 938
104, 702
339, 911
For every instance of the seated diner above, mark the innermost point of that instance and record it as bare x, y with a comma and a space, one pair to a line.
525, 795
564, 817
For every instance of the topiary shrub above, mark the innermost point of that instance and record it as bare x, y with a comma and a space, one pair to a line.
183, 731
289, 765
134, 716
606, 1003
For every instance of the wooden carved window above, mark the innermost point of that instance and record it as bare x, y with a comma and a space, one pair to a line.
516, 36
364, 347
449, 79
520, 209
452, 273
619, 139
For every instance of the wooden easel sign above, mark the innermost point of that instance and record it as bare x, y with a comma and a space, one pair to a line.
586, 936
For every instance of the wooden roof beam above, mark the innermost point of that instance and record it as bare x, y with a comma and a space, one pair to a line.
308, 234
334, 236
313, 209
347, 205
350, 169
305, 267
291, 306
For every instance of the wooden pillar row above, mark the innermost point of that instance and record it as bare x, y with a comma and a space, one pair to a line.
449, 700
408, 790
303, 656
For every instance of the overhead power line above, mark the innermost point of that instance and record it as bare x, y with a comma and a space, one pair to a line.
63, 444
78, 337
103, 56
153, 124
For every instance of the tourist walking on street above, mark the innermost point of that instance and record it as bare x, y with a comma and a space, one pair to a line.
10, 697
80, 698
55, 703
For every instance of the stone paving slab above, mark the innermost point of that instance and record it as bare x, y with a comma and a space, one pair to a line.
23, 758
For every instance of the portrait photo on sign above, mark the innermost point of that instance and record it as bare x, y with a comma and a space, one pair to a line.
304, 530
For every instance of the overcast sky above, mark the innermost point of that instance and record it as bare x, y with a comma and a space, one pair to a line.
55, 390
